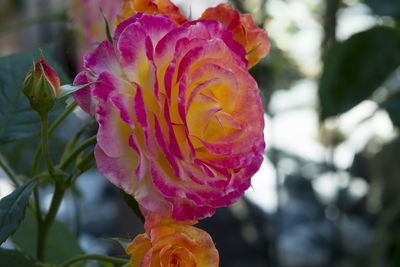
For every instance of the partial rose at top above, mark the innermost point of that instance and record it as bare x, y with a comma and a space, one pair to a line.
89, 22
165, 7
244, 30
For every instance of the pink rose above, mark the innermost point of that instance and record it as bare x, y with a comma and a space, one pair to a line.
180, 118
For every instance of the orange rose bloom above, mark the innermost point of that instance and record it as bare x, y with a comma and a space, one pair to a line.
173, 245
245, 31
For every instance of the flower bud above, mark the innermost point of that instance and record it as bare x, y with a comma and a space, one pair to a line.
42, 86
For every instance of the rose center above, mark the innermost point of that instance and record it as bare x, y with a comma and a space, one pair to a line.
174, 261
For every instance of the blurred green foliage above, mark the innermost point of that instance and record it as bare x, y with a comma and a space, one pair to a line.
385, 7
356, 68
392, 106
15, 258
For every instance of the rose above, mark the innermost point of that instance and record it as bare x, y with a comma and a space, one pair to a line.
244, 29
173, 245
183, 100
180, 118
165, 7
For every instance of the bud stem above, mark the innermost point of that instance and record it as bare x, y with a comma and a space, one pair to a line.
56, 123
45, 150
43, 226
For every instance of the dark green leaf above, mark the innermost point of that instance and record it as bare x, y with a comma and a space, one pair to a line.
14, 258
355, 68
132, 203
384, 7
392, 106
61, 243
17, 119
12, 209
20, 154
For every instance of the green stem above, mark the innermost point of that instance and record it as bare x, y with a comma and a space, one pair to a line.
36, 160
38, 210
45, 224
52, 128
62, 117
40, 237
88, 142
82, 167
9, 172
84, 161
55, 16
38, 214
44, 227
45, 141
96, 257
72, 143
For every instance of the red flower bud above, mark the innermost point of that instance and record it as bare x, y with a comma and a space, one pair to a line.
42, 86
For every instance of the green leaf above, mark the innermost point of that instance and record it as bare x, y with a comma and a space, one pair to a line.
14, 258
392, 106
68, 89
61, 243
12, 209
20, 154
355, 68
132, 203
384, 7
107, 28
17, 119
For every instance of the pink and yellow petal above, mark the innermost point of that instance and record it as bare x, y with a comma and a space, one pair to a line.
84, 97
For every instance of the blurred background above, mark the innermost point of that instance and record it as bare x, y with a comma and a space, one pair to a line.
327, 194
